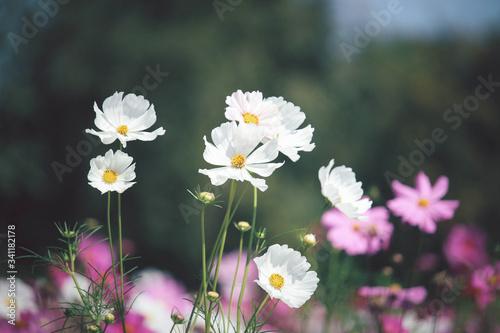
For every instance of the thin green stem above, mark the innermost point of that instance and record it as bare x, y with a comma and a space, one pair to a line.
77, 285
195, 318
249, 254
204, 268
234, 280
225, 225
110, 237
120, 245
203, 255
259, 307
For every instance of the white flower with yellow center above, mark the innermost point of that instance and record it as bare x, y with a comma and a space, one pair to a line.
235, 150
340, 188
125, 119
283, 274
251, 108
291, 140
112, 172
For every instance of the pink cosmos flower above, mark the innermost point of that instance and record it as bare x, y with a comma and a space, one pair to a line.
392, 324
465, 247
95, 255
358, 237
486, 284
422, 206
155, 295
394, 296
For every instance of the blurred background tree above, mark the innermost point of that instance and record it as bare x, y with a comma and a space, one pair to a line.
185, 59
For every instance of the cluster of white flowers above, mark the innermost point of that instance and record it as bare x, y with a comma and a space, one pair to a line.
258, 130
124, 119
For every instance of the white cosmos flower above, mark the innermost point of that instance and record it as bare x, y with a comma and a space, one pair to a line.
112, 172
290, 139
234, 151
283, 274
339, 186
251, 108
125, 119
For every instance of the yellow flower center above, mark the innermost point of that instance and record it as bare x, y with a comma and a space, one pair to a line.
238, 161
493, 280
356, 226
123, 129
395, 288
423, 202
109, 176
277, 281
250, 118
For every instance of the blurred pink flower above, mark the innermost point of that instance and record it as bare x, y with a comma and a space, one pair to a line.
392, 323
465, 247
155, 295
358, 237
427, 261
422, 206
394, 296
95, 255
134, 322
485, 283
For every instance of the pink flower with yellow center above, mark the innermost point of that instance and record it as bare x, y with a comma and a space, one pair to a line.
422, 206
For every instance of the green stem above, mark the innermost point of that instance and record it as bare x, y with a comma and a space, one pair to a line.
225, 225
203, 255
204, 268
75, 281
122, 300
249, 254
259, 307
234, 280
211, 259
110, 237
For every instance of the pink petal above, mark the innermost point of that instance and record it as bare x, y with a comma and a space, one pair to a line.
401, 190
427, 225
443, 209
400, 206
440, 188
423, 185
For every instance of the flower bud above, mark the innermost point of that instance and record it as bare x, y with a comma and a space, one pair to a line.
261, 233
212, 296
207, 197
309, 240
109, 318
243, 226
69, 233
93, 328
177, 317
387, 271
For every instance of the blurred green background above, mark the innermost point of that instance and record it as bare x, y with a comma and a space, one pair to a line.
367, 111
